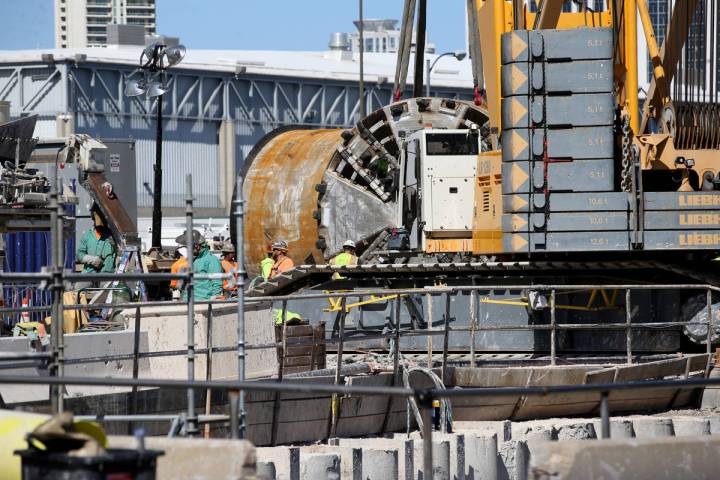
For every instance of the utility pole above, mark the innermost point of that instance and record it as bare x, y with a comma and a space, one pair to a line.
157, 188
154, 61
420, 48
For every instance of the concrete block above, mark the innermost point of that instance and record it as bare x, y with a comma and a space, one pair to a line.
653, 427
691, 426
513, 460
402, 445
185, 456
379, 464
619, 428
501, 428
481, 453
320, 466
576, 431
711, 394
441, 460
350, 457
457, 449
714, 425
265, 471
649, 458
286, 461
534, 432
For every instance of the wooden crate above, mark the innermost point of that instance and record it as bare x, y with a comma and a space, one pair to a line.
302, 358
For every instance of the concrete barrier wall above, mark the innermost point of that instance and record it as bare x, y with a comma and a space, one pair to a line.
161, 329
197, 458
668, 458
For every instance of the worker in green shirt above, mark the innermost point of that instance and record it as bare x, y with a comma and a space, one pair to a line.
203, 262
97, 249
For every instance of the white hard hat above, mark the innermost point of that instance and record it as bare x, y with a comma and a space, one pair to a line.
280, 245
349, 244
182, 251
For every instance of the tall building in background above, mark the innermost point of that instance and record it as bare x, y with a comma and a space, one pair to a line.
381, 36
698, 71
83, 23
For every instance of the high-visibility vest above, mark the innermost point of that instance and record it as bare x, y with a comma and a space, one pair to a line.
265, 267
342, 260
229, 267
180, 265
288, 316
281, 266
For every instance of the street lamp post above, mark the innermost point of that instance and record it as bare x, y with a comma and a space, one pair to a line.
459, 54
154, 61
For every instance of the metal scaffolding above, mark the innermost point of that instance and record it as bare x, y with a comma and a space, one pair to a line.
54, 278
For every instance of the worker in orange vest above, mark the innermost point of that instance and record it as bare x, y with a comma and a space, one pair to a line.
282, 263
180, 266
229, 265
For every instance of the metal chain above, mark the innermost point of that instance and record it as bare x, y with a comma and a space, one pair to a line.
626, 174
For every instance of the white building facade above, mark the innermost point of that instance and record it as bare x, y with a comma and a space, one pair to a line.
83, 23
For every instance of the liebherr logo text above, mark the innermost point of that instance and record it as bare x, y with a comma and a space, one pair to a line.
699, 219
685, 239
698, 200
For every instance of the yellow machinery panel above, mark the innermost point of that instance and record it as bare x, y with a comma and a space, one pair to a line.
487, 227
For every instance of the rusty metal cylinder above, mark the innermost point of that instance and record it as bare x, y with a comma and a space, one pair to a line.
280, 193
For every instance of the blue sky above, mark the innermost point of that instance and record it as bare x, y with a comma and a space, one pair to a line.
244, 24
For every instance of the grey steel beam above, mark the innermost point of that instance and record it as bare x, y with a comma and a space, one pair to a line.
682, 220
585, 76
574, 176
558, 144
682, 239
579, 110
566, 202
565, 222
557, 45
566, 242
682, 200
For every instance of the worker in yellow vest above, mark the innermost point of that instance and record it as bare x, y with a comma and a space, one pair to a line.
266, 263
346, 258
230, 266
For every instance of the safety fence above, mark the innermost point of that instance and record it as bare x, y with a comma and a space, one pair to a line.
341, 341
423, 398
54, 280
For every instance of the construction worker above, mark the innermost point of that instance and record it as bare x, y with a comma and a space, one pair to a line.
267, 263
229, 265
347, 257
203, 262
97, 249
180, 266
281, 261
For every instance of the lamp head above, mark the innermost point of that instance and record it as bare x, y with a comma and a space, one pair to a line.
135, 88
175, 54
459, 54
155, 89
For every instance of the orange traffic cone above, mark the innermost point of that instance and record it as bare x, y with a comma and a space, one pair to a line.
25, 314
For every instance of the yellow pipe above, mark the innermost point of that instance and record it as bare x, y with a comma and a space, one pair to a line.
653, 51
557, 307
631, 62
593, 294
